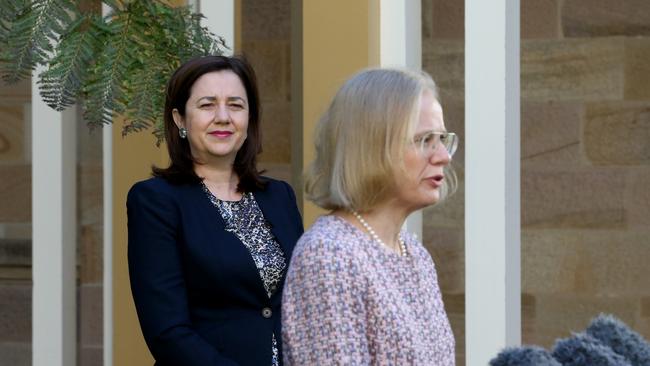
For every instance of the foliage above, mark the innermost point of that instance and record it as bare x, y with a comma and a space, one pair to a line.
114, 65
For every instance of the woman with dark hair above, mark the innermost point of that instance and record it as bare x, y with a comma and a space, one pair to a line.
209, 237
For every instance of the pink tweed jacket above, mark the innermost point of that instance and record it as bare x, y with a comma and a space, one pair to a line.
350, 301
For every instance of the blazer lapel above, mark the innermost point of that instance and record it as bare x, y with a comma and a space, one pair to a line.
236, 249
275, 216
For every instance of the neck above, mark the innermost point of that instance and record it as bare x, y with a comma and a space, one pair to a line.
221, 181
385, 220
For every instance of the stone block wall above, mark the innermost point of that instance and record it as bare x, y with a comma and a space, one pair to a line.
585, 148
15, 224
266, 43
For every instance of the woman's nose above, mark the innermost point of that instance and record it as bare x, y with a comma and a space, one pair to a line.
222, 114
440, 156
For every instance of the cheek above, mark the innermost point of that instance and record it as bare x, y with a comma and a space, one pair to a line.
414, 167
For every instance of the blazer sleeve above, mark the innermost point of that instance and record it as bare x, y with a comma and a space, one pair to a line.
157, 281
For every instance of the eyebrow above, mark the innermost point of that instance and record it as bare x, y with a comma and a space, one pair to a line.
229, 99
423, 133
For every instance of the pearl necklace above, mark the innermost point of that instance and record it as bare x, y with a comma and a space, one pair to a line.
373, 234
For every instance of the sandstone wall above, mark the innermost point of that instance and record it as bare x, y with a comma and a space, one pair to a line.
585, 135
266, 42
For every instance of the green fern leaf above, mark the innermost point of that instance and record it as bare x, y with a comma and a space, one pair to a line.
166, 37
30, 36
60, 84
104, 90
9, 12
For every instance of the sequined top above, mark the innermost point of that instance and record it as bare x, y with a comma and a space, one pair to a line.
244, 218
348, 300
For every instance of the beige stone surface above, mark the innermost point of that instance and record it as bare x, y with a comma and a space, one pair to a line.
637, 68
637, 198
21, 230
645, 307
15, 311
559, 315
540, 19
90, 254
451, 212
561, 70
445, 62
276, 132
599, 18
12, 132
573, 69
16, 354
606, 263
551, 133
617, 133
89, 143
90, 193
271, 61
15, 193
560, 197
91, 356
18, 93
528, 312
277, 171
90, 315
448, 19
266, 20
15, 273
446, 247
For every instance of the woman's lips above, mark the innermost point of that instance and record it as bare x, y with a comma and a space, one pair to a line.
221, 134
436, 180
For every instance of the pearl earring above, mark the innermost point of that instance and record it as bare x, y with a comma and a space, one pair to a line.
182, 132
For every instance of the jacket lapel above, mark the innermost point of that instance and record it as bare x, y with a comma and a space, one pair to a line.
235, 250
276, 215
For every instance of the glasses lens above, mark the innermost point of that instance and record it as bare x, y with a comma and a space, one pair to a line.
427, 143
451, 142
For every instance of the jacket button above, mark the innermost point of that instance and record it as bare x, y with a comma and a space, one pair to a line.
266, 312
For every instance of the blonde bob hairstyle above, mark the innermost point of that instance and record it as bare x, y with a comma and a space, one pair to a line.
362, 137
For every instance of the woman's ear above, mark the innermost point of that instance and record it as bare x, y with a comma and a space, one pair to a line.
178, 119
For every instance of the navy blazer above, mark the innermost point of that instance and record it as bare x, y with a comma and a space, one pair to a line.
198, 294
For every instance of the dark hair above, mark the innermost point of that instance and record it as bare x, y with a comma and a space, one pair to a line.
181, 167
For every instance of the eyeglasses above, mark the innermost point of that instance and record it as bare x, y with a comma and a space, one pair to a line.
429, 142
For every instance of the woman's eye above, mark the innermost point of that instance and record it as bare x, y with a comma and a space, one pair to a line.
236, 106
207, 105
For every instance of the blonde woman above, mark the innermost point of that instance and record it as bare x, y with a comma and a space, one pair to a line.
359, 290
